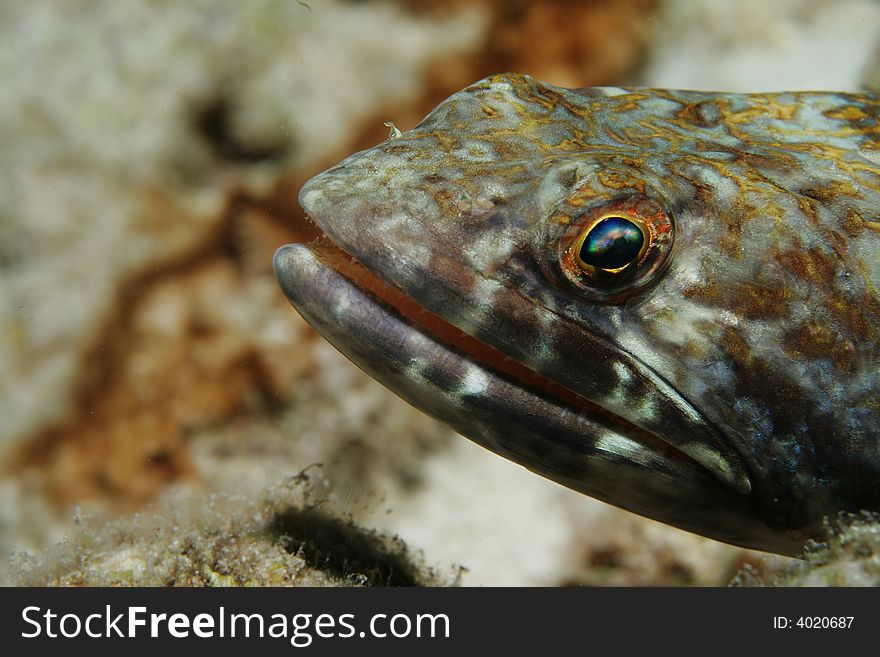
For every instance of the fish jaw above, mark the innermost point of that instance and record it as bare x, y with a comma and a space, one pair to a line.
591, 454
391, 239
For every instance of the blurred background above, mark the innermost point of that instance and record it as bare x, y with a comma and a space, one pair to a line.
155, 386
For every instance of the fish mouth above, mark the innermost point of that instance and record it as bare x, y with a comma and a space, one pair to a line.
469, 348
507, 408
497, 323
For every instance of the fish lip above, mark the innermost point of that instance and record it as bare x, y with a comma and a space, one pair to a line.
327, 255
680, 492
465, 345
378, 290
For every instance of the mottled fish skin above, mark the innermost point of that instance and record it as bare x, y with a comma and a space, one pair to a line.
745, 340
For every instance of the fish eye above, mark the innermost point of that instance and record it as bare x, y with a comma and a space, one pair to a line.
612, 243
614, 249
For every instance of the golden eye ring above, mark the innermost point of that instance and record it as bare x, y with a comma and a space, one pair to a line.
614, 249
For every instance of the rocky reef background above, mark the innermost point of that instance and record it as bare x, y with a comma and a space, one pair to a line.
167, 418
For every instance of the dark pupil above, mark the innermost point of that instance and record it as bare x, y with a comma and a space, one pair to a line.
612, 243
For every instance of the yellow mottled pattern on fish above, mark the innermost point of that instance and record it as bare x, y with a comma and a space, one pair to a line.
667, 300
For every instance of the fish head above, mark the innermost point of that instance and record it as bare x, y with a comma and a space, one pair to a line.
616, 289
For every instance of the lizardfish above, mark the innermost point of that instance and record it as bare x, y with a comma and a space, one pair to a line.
667, 300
